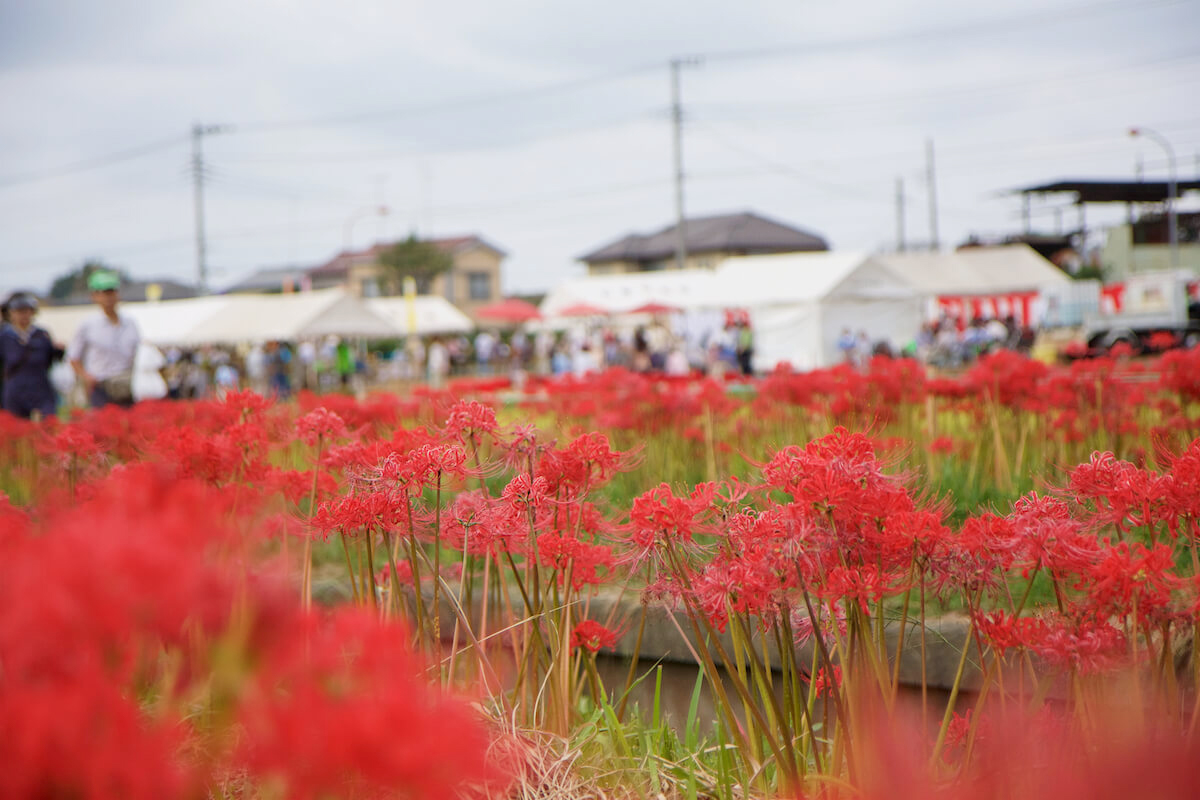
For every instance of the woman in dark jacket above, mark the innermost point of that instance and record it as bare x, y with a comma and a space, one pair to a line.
27, 353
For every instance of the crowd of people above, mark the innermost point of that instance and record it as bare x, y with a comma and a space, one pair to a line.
110, 364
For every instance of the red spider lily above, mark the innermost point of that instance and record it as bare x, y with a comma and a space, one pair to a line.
1126, 497
586, 463
462, 522
1132, 576
593, 636
975, 559
658, 516
297, 485
320, 423
863, 584
340, 708
1181, 486
86, 738
942, 444
1049, 536
358, 512
471, 421
743, 584
1085, 646
1009, 378
831, 618
579, 562
73, 440
827, 682
527, 494
1179, 373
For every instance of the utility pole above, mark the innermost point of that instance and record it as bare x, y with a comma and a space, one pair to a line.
677, 131
931, 178
1172, 227
198, 133
900, 245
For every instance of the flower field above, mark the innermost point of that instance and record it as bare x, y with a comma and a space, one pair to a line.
407, 596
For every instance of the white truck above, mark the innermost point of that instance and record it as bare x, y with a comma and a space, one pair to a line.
1147, 312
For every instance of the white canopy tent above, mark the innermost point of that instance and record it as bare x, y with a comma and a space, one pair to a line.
289, 317
981, 282
163, 323
233, 319
427, 315
687, 290
799, 303
976, 270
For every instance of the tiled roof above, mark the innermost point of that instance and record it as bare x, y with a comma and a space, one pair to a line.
727, 233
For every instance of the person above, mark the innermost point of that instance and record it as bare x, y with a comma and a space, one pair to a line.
27, 353
745, 347
485, 347
437, 363
279, 369
105, 345
345, 363
3, 322
846, 344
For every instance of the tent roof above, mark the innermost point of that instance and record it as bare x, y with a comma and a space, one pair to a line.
303, 315
229, 319
792, 277
433, 314
975, 270
164, 322
688, 288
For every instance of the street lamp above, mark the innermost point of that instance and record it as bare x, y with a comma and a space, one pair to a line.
1172, 231
348, 227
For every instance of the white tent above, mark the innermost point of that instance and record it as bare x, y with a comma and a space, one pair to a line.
976, 270
799, 303
689, 289
288, 317
980, 281
232, 319
163, 323
428, 314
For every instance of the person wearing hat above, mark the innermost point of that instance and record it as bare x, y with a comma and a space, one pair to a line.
27, 353
105, 345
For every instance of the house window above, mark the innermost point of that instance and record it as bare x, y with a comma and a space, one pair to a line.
479, 286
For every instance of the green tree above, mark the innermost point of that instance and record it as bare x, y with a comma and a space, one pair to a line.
413, 258
75, 282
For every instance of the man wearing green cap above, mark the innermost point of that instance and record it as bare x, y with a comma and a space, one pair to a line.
105, 345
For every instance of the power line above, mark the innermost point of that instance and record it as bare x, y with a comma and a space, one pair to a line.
91, 163
973, 27
468, 102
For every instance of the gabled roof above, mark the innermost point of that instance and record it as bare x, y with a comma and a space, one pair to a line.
746, 233
340, 264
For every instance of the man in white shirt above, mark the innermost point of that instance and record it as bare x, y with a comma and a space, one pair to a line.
103, 350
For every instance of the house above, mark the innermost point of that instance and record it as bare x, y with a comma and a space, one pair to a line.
472, 281
708, 241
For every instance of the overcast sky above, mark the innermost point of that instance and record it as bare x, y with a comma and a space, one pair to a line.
544, 127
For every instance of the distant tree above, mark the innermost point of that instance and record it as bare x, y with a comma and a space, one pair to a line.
413, 258
75, 281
